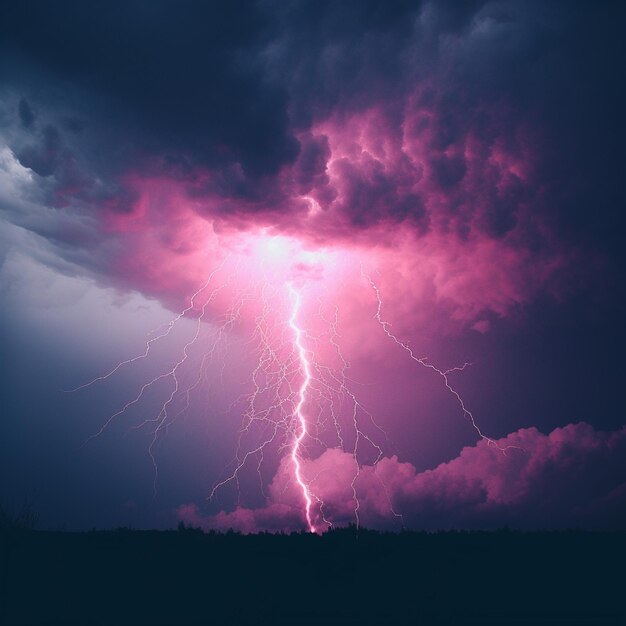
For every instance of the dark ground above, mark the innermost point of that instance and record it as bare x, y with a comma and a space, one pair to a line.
345, 577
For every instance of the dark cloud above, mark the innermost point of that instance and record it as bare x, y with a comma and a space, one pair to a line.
505, 118
495, 68
178, 76
44, 157
310, 169
27, 117
236, 88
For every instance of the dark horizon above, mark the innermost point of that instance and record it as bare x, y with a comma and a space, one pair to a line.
345, 576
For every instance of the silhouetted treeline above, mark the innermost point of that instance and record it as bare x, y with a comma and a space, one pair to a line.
346, 576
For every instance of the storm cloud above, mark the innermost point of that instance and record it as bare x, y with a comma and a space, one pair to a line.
234, 102
468, 155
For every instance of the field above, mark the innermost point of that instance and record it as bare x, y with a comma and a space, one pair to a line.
344, 577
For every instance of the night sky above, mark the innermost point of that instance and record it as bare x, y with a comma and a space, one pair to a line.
411, 186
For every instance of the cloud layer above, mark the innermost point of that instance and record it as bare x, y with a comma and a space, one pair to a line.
332, 124
574, 477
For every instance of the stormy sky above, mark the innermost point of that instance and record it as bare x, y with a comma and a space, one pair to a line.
465, 160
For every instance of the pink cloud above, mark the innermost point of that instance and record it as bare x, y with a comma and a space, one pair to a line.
574, 476
453, 223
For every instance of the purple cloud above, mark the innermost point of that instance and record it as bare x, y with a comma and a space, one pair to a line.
573, 477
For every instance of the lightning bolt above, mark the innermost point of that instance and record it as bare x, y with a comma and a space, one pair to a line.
423, 361
168, 329
299, 411
300, 390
